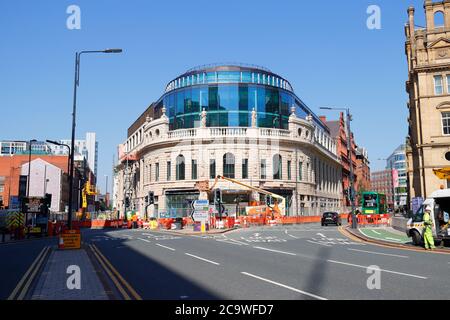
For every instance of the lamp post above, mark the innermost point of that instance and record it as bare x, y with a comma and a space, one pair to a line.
72, 146
106, 191
29, 177
349, 157
65, 145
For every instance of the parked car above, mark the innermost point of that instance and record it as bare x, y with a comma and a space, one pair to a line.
331, 218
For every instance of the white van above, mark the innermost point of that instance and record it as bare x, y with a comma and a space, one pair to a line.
439, 201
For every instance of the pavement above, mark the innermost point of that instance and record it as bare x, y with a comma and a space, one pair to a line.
57, 281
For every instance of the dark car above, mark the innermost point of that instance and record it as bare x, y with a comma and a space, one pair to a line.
331, 218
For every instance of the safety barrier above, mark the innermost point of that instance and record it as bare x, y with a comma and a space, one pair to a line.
100, 224
372, 219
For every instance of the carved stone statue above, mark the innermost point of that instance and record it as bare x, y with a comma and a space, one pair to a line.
309, 118
254, 118
203, 118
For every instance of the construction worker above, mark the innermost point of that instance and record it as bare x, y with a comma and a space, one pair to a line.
427, 232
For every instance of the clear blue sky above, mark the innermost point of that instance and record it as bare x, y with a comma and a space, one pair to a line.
322, 47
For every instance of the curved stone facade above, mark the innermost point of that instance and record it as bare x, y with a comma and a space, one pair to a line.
298, 162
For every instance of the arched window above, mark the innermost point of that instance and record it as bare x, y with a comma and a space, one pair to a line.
277, 167
180, 174
228, 165
438, 19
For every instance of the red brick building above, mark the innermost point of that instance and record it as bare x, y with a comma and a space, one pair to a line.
383, 182
359, 159
10, 168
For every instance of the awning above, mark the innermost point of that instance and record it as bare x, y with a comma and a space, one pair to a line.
443, 173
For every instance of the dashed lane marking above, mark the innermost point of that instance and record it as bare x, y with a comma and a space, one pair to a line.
203, 259
384, 270
144, 240
284, 286
379, 253
277, 251
169, 248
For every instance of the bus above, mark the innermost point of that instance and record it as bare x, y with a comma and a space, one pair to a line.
373, 203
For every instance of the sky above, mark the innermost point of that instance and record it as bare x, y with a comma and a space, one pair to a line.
324, 48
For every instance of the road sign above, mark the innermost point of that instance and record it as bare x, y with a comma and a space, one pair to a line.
201, 210
71, 239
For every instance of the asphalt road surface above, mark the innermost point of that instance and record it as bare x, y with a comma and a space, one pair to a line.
269, 263
16, 259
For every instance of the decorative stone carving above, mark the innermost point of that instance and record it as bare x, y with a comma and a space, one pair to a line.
254, 116
148, 119
293, 111
309, 118
203, 118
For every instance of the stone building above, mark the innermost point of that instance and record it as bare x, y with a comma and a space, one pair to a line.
428, 55
240, 121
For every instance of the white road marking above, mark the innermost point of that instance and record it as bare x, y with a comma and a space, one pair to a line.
160, 245
375, 232
245, 244
284, 286
203, 259
394, 239
380, 253
290, 235
315, 242
228, 241
144, 240
388, 271
321, 234
284, 252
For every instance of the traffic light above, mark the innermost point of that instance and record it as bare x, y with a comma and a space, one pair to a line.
268, 200
151, 197
48, 200
217, 196
146, 199
127, 202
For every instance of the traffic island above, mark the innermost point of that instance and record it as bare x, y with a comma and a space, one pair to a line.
70, 275
387, 237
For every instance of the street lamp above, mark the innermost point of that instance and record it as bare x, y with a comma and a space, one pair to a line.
29, 165
349, 157
76, 84
106, 191
64, 145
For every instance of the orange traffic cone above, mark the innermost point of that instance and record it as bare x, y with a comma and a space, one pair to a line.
61, 243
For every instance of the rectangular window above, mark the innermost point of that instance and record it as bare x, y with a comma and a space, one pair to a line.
2, 188
448, 83
300, 171
244, 168
446, 122
157, 172
289, 170
194, 169
263, 169
169, 173
212, 168
438, 85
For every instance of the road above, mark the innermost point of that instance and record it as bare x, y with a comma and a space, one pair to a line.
16, 259
283, 262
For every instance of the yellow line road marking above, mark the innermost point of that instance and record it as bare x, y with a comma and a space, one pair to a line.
113, 278
34, 267
124, 282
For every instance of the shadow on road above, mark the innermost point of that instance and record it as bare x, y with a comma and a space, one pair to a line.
151, 279
319, 272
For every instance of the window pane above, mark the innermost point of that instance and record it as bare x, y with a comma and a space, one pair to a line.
212, 168
244, 168
438, 85
228, 165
